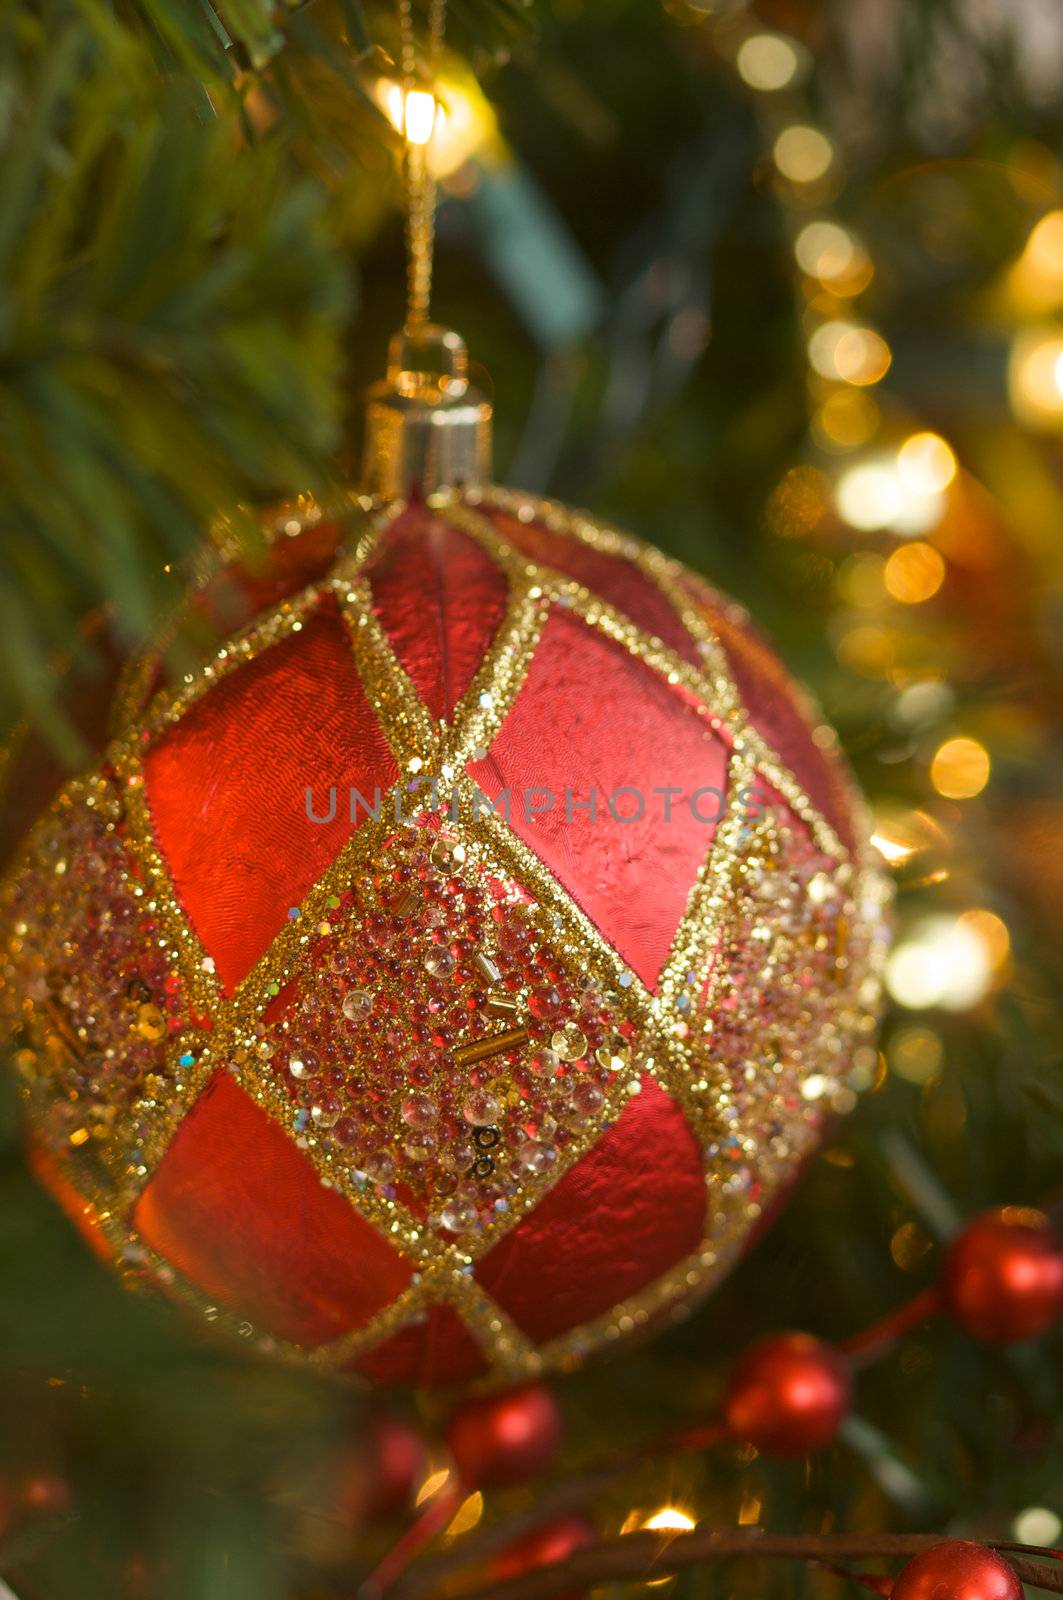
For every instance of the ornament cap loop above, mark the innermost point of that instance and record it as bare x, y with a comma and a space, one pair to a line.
427, 428
428, 361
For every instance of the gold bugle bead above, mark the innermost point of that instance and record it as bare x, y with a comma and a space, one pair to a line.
493, 1045
500, 1005
486, 967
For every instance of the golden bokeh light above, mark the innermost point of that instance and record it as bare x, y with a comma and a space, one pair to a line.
916, 1054
803, 154
1035, 282
1037, 1525
859, 581
910, 1245
942, 963
914, 572
847, 419
433, 1483
993, 932
466, 1517
849, 352
828, 252
1035, 377
926, 701
1044, 247
798, 503
768, 61
960, 769
871, 495
866, 649
926, 463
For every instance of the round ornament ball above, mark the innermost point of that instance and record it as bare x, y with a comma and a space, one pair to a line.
787, 1395
393, 1462
449, 973
957, 1569
545, 1546
1003, 1276
501, 1439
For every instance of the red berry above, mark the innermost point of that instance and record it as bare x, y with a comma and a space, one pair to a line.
1003, 1276
397, 1463
46, 1493
375, 1476
544, 1546
957, 1569
788, 1394
505, 1438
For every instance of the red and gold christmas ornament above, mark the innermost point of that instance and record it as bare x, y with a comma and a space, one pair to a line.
447, 976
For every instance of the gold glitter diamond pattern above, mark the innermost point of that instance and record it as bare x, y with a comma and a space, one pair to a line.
756, 1096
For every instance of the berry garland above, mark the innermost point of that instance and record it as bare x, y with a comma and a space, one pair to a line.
1001, 1280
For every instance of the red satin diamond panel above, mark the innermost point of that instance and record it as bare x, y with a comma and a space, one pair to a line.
592, 717
437, 1349
242, 1213
82, 1214
612, 577
440, 601
625, 1213
227, 788
768, 692
286, 567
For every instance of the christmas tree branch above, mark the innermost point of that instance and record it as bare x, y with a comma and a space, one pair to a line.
170, 344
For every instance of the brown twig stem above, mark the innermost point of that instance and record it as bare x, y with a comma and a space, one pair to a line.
646, 1555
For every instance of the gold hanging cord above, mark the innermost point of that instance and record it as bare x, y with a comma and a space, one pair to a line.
427, 428
420, 113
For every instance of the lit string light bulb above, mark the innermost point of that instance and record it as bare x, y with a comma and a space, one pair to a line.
419, 116
669, 1519
417, 122
894, 852
912, 844
452, 125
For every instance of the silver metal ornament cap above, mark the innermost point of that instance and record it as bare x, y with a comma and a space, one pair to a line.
426, 428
